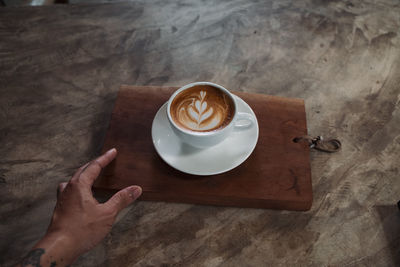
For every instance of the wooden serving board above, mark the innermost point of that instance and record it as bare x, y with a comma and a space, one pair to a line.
277, 175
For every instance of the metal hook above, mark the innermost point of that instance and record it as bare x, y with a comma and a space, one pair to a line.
330, 145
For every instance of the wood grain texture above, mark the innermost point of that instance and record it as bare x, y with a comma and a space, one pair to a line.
277, 175
60, 71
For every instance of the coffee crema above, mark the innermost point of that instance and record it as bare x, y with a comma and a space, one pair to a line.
202, 108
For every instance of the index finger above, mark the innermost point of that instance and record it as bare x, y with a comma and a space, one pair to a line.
92, 171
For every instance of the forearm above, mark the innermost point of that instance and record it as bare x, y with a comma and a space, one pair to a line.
52, 250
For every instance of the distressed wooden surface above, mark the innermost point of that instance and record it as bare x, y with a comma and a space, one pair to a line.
60, 69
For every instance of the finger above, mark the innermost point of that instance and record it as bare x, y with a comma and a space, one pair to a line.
61, 188
91, 171
79, 171
123, 198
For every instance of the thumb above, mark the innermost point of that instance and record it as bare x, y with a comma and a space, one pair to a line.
123, 198
61, 188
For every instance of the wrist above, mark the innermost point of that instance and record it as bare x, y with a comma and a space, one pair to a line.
59, 247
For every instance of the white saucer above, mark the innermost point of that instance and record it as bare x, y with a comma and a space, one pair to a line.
220, 158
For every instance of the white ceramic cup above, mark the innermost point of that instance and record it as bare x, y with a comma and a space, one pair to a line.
240, 121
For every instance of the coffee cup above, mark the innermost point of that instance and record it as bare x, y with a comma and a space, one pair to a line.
203, 114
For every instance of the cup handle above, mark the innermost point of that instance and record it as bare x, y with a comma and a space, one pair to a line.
244, 121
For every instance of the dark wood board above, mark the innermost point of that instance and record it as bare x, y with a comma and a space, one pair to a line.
277, 175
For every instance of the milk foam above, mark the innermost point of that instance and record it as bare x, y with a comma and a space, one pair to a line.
197, 114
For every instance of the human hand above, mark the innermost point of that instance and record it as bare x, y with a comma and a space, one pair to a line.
79, 221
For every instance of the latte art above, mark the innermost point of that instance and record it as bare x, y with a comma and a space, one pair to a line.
202, 108
196, 114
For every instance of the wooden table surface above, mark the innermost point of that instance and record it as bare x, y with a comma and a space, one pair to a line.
61, 67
